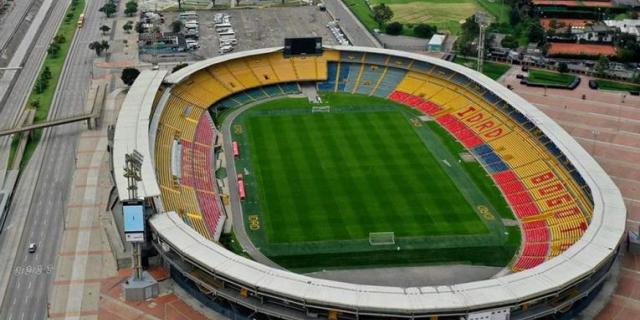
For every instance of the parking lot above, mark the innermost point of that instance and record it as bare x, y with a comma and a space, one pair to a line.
257, 28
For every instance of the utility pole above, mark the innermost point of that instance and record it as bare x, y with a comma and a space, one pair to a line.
483, 19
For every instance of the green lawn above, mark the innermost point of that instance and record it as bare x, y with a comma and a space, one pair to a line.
445, 14
319, 183
616, 86
55, 64
547, 77
489, 69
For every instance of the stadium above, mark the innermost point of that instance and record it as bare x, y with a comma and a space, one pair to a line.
354, 157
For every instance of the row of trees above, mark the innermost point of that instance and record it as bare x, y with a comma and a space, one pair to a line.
382, 14
110, 8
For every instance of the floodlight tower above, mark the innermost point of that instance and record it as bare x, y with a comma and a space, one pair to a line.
132, 173
483, 19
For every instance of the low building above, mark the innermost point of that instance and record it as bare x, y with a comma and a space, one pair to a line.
630, 26
593, 33
436, 44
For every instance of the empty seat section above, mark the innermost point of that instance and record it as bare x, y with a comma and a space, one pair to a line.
353, 76
421, 67
443, 96
181, 116
273, 90
410, 83
525, 262
389, 82
504, 177
530, 169
375, 58
460, 79
428, 90
256, 94
400, 62
226, 77
332, 76
526, 210
346, 56
371, 74
242, 73
441, 72
343, 74
282, 67
290, 88
536, 249
305, 68
536, 235
262, 69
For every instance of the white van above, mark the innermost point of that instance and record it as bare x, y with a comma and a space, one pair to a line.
222, 26
225, 49
227, 34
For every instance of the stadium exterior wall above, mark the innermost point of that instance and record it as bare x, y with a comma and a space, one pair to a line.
290, 295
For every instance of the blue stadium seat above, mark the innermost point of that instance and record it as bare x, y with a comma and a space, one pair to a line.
332, 74
391, 79
352, 77
374, 58
344, 73
370, 76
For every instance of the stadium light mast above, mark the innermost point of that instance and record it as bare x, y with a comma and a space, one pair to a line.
483, 19
132, 170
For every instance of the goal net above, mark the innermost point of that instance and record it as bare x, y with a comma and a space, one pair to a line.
381, 238
321, 109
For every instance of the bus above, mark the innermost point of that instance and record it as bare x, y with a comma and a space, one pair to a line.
81, 20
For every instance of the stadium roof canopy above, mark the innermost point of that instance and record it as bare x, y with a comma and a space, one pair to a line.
588, 254
132, 133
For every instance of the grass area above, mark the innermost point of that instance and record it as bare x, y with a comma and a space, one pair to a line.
55, 64
445, 14
319, 183
362, 11
547, 77
229, 241
490, 69
616, 86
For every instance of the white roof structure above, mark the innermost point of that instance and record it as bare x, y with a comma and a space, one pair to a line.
437, 40
132, 133
589, 253
631, 26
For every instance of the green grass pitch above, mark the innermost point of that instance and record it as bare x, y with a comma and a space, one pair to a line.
319, 183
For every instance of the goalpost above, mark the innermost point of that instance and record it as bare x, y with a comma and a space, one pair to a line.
320, 109
382, 238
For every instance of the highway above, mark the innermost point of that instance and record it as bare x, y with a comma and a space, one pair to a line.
44, 185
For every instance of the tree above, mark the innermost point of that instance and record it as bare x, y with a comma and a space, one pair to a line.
129, 75
53, 49
140, 27
109, 9
179, 66
602, 66
105, 45
97, 47
394, 28
176, 26
509, 41
46, 73
535, 33
35, 104
563, 67
127, 27
131, 8
104, 28
59, 39
382, 14
424, 30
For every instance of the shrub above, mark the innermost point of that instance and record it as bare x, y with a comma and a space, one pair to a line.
394, 28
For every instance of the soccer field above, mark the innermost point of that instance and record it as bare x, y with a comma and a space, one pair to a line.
319, 182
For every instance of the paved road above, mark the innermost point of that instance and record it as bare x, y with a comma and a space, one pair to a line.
236, 207
353, 29
12, 20
50, 173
